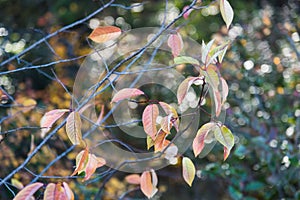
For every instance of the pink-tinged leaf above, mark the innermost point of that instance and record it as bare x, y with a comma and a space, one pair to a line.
198, 143
184, 87
175, 43
126, 93
81, 161
49, 193
148, 184
105, 33
225, 90
225, 137
101, 115
93, 163
187, 13
226, 153
73, 128
68, 192
28, 191
149, 120
226, 12
169, 110
188, 170
59, 193
50, 118
166, 124
217, 102
133, 179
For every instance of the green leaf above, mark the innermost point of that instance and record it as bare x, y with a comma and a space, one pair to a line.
254, 186
186, 60
234, 193
188, 170
225, 137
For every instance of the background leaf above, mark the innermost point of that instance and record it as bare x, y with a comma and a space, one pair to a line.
105, 33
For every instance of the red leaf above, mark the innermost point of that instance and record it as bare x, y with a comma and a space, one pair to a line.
187, 13
133, 179
149, 120
126, 93
198, 143
184, 87
175, 43
28, 191
105, 33
50, 118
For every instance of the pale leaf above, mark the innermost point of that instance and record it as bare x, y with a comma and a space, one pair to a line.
198, 142
225, 90
224, 136
27, 192
217, 102
49, 193
212, 77
149, 120
93, 163
169, 110
126, 93
226, 12
50, 118
81, 161
16, 183
188, 170
133, 179
175, 43
205, 50
184, 87
105, 33
186, 60
68, 192
73, 128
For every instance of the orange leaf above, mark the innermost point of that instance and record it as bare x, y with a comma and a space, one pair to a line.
50, 118
28, 191
73, 128
184, 87
159, 142
188, 170
133, 179
226, 153
149, 120
105, 33
169, 110
175, 43
126, 93
198, 143
148, 183
81, 161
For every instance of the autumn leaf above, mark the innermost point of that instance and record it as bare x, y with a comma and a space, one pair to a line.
73, 128
105, 33
133, 179
69, 193
94, 162
226, 12
27, 192
160, 141
166, 124
16, 183
175, 43
150, 142
205, 51
188, 170
225, 90
225, 137
169, 110
49, 193
149, 120
217, 102
198, 142
126, 93
59, 192
50, 118
187, 13
81, 161
148, 184
186, 60
184, 87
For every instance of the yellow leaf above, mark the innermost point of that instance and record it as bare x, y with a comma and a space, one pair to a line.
188, 170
